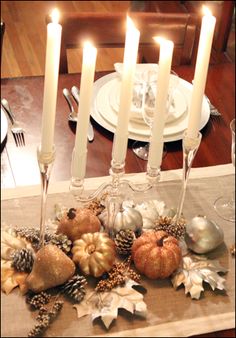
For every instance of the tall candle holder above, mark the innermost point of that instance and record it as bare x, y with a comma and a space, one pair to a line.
114, 189
190, 147
45, 163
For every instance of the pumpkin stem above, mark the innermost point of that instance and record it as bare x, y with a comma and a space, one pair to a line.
161, 240
91, 248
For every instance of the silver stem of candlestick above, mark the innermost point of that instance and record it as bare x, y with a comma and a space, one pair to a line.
190, 148
45, 163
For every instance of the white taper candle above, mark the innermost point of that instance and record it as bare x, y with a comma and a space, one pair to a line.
156, 140
200, 75
86, 91
129, 63
53, 47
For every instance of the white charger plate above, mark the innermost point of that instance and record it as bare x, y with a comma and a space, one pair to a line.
4, 125
142, 134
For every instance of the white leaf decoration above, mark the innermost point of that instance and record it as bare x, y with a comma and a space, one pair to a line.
10, 243
194, 271
106, 304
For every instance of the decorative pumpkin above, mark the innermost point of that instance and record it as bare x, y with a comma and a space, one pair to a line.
76, 222
94, 253
150, 211
51, 267
156, 254
126, 219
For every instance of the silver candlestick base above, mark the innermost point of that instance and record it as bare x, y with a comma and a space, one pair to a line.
45, 163
190, 147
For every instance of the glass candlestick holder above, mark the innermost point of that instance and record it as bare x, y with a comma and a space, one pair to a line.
45, 163
190, 147
115, 189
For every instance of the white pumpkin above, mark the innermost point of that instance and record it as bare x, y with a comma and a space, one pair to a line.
126, 218
150, 211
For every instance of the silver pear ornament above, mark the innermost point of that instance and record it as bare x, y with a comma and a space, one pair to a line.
203, 235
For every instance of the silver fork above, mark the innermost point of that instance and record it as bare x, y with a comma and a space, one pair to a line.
16, 129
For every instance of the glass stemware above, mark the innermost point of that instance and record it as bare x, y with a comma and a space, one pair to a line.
148, 95
225, 205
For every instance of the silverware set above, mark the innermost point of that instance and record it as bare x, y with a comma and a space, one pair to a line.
74, 94
16, 129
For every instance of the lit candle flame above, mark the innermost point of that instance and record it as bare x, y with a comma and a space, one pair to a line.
130, 23
164, 42
55, 15
206, 10
159, 39
87, 44
89, 52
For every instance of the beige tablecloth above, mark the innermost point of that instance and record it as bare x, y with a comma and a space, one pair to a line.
170, 312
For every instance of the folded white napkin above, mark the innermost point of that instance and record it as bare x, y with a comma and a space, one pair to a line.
144, 90
140, 71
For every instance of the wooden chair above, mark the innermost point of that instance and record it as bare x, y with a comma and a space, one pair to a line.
107, 30
223, 11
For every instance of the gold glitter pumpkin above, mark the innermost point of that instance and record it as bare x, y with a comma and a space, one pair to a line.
76, 222
94, 253
156, 254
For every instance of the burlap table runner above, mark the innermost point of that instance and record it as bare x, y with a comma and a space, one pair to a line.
170, 312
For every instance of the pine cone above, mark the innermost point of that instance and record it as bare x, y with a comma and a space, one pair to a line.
74, 288
124, 241
176, 230
62, 242
23, 260
33, 236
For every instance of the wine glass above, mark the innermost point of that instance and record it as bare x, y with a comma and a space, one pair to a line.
147, 105
225, 205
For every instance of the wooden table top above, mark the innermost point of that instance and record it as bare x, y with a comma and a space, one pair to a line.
25, 96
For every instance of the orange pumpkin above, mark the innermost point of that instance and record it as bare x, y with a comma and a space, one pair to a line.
156, 254
77, 222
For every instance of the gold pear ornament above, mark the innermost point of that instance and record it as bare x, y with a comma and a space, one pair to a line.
51, 267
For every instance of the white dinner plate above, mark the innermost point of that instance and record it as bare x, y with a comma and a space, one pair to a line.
4, 125
137, 125
142, 134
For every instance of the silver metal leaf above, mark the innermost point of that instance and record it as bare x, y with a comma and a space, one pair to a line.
106, 304
196, 271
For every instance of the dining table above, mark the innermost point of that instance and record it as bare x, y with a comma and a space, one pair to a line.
20, 171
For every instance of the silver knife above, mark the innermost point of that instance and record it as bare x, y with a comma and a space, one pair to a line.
75, 94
